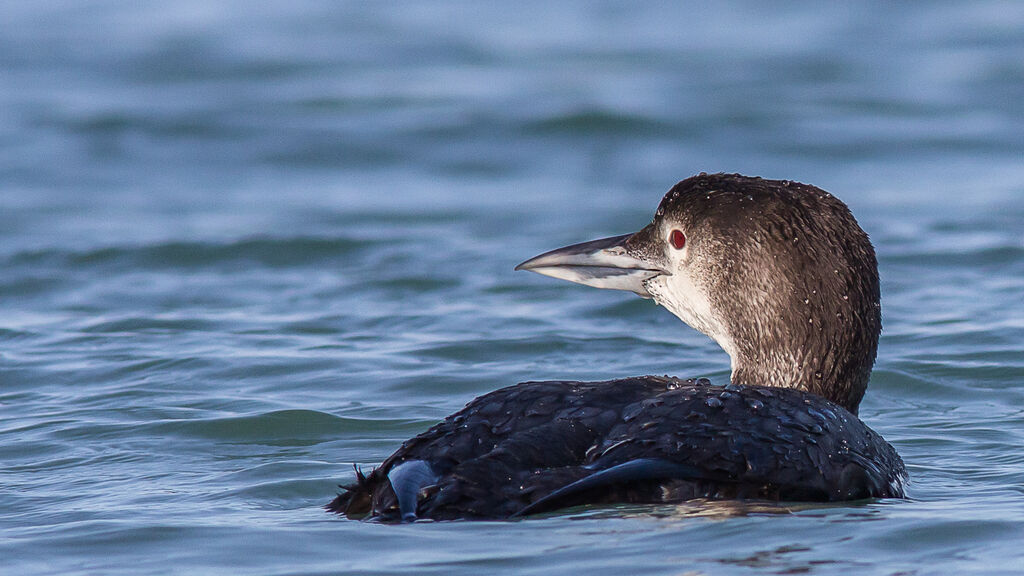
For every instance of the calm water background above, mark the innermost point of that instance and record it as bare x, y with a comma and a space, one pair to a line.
245, 245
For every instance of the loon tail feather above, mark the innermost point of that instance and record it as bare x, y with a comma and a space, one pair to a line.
356, 500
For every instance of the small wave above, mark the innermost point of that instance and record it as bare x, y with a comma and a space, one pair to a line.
987, 256
137, 324
598, 122
281, 427
265, 251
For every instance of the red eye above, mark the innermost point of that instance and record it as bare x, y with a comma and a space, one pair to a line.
677, 239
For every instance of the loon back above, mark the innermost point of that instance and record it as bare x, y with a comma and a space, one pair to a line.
781, 276
541, 446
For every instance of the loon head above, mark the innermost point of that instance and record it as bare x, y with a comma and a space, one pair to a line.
778, 273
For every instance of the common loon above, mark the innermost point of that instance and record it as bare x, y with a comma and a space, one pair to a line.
781, 276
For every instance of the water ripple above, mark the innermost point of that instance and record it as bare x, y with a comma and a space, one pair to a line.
264, 251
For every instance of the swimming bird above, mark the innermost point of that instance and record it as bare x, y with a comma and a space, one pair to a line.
781, 276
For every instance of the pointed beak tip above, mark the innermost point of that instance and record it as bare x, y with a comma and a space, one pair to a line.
530, 264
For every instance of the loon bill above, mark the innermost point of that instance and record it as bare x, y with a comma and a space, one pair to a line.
781, 276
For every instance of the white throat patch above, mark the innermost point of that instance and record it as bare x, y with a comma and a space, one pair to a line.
681, 296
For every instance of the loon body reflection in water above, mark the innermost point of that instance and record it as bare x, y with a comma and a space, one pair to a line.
781, 276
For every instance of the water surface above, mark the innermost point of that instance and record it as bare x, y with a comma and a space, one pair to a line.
245, 246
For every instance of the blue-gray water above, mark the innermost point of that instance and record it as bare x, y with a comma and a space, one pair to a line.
245, 245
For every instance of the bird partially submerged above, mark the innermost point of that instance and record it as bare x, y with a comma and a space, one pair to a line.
781, 276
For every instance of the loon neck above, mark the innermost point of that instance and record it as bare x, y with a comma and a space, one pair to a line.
821, 369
